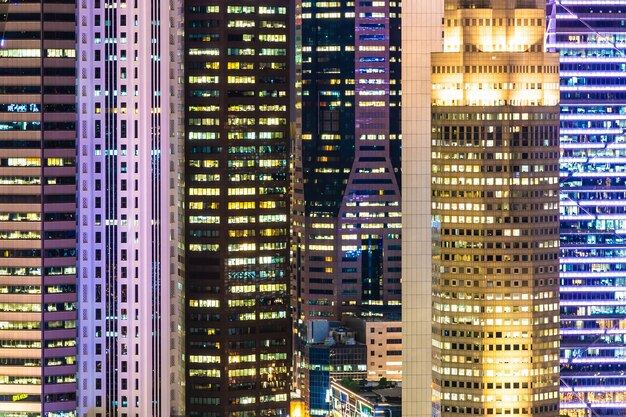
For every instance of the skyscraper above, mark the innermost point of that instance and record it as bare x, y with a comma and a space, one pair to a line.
37, 210
495, 212
128, 152
346, 203
421, 35
347, 194
589, 37
237, 112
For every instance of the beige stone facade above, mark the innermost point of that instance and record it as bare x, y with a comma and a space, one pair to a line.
495, 283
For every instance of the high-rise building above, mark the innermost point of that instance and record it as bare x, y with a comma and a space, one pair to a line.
347, 215
495, 124
421, 35
128, 162
237, 112
589, 37
346, 203
38, 308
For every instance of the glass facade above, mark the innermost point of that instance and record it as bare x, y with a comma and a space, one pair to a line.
590, 38
326, 362
347, 194
495, 207
237, 112
346, 202
38, 303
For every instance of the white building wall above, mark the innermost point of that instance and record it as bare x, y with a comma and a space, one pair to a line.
421, 35
129, 351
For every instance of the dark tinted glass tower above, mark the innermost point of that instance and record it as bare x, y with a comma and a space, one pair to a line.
589, 37
238, 326
347, 214
37, 209
347, 197
495, 207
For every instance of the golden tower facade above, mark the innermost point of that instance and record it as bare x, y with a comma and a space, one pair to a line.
495, 145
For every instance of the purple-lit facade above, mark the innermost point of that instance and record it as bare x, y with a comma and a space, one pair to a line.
591, 40
346, 203
349, 163
129, 140
37, 210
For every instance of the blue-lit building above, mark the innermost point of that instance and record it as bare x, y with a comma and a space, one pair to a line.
591, 39
337, 356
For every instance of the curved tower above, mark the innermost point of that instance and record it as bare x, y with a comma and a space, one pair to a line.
495, 120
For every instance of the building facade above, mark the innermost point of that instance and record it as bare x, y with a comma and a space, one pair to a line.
346, 203
348, 166
370, 402
237, 112
495, 212
591, 44
421, 34
337, 357
128, 179
38, 308
380, 329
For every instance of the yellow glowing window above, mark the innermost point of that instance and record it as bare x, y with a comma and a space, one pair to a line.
272, 38
241, 219
214, 65
205, 177
237, 247
242, 191
205, 79
241, 23
209, 373
204, 121
60, 53
273, 232
272, 10
372, 104
204, 51
272, 287
242, 107
273, 356
240, 289
241, 205
204, 359
242, 303
273, 107
196, 247
241, 121
249, 79
272, 121
241, 372
20, 53
272, 315
204, 219
204, 303
241, 358
59, 162
211, 107
335, 15
204, 191
241, 9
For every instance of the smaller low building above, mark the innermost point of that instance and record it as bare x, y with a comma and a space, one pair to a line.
367, 401
380, 329
338, 356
